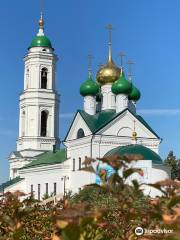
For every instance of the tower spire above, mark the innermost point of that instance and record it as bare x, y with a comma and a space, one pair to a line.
41, 20
110, 28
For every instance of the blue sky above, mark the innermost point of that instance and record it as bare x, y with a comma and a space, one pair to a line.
148, 31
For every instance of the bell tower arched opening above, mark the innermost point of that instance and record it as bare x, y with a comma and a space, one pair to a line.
44, 73
44, 119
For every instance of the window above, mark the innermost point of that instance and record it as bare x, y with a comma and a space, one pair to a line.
39, 192
55, 186
23, 123
14, 172
80, 133
79, 163
46, 188
27, 78
74, 166
44, 116
44, 72
32, 192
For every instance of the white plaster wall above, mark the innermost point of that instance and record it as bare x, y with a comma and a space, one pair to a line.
121, 102
48, 174
126, 120
90, 104
151, 175
19, 186
108, 100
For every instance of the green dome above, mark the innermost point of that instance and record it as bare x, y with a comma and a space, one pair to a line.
146, 153
89, 88
122, 86
135, 94
40, 41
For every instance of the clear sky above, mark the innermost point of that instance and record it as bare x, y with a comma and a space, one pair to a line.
148, 31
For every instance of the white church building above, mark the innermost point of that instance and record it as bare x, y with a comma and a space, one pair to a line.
107, 125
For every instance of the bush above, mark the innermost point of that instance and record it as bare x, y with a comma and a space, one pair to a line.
110, 211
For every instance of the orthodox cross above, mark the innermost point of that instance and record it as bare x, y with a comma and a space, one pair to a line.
110, 28
130, 63
90, 57
122, 55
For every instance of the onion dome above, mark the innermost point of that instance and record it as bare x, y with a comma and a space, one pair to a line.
122, 86
89, 88
40, 40
134, 94
108, 73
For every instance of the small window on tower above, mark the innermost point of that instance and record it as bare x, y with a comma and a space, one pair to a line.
27, 78
80, 133
44, 73
44, 50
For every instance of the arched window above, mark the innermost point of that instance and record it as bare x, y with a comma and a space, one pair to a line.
44, 72
80, 133
44, 117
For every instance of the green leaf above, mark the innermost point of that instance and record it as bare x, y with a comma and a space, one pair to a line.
135, 184
173, 201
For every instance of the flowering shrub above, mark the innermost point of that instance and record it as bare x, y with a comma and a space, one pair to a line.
110, 211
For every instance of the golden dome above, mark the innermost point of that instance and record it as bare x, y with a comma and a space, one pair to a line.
108, 73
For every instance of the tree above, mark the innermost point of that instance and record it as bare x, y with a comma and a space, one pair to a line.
174, 164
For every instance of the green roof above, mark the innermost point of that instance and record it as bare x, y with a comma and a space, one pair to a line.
10, 182
101, 119
40, 41
146, 153
48, 158
97, 121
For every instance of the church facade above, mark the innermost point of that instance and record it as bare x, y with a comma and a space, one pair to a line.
108, 124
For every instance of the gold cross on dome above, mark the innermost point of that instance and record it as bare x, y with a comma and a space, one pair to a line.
110, 28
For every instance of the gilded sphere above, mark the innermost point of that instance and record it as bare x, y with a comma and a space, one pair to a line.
108, 73
41, 22
134, 134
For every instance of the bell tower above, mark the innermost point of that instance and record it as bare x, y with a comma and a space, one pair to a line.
39, 101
